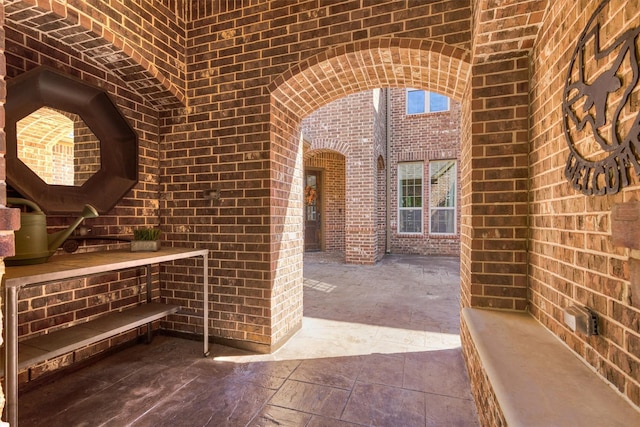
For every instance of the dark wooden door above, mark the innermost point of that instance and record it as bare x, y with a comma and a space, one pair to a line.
312, 225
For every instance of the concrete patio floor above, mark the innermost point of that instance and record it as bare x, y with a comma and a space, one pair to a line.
379, 346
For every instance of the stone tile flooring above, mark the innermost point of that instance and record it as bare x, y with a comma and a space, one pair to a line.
379, 346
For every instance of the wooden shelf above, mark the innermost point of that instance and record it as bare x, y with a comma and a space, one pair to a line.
44, 347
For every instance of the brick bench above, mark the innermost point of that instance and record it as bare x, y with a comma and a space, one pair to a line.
534, 379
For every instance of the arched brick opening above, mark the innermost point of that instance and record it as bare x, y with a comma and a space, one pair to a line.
317, 81
332, 165
326, 145
372, 64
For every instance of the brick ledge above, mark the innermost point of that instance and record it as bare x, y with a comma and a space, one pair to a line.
536, 379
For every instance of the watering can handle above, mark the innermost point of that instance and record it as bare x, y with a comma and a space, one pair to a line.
25, 202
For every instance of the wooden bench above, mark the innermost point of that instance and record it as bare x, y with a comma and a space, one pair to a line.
537, 380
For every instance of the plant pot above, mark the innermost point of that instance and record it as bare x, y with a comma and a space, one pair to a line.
145, 245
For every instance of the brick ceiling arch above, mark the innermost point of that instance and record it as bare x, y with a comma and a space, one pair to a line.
326, 145
371, 64
315, 152
61, 26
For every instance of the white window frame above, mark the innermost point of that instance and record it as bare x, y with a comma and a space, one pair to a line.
454, 200
427, 102
401, 209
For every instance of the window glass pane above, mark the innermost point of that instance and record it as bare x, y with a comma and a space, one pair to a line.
415, 101
311, 213
410, 197
442, 196
438, 102
443, 221
442, 192
411, 221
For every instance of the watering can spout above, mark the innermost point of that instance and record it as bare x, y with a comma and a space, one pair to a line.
56, 239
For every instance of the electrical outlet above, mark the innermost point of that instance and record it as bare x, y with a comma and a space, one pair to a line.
581, 320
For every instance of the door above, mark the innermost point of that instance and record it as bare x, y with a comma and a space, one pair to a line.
312, 226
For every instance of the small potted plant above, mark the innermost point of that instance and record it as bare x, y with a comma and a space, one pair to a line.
145, 239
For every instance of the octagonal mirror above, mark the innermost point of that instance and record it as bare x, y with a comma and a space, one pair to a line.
67, 143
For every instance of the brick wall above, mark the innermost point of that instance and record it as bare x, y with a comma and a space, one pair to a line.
466, 217
43, 309
572, 257
380, 127
237, 132
31, 40
422, 138
217, 97
244, 61
355, 124
489, 412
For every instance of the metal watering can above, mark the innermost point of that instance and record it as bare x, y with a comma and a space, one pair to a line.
33, 244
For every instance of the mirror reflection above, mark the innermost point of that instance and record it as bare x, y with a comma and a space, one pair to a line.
58, 146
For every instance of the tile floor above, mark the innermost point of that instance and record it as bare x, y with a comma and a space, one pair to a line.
379, 346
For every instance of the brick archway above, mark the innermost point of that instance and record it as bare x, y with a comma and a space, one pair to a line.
322, 145
113, 49
330, 75
330, 162
371, 64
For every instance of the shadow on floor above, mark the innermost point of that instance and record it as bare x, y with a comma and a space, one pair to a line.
379, 347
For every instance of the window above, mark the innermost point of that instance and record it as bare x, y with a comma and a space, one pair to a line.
421, 101
410, 197
442, 197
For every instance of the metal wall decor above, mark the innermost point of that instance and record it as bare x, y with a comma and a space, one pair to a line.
600, 84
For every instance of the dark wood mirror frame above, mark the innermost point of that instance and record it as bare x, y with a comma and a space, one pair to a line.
46, 87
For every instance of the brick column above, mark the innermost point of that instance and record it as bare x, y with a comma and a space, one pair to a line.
498, 162
360, 227
9, 218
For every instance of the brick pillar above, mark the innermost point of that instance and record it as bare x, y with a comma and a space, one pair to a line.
360, 230
9, 218
498, 178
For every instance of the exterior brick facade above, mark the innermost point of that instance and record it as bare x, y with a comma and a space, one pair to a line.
356, 125
363, 119
422, 138
217, 92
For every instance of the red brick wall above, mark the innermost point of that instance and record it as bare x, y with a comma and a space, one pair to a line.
31, 41
55, 305
356, 125
243, 62
466, 217
489, 412
422, 138
217, 91
499, 182
230, 138
572, 257
381, 206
